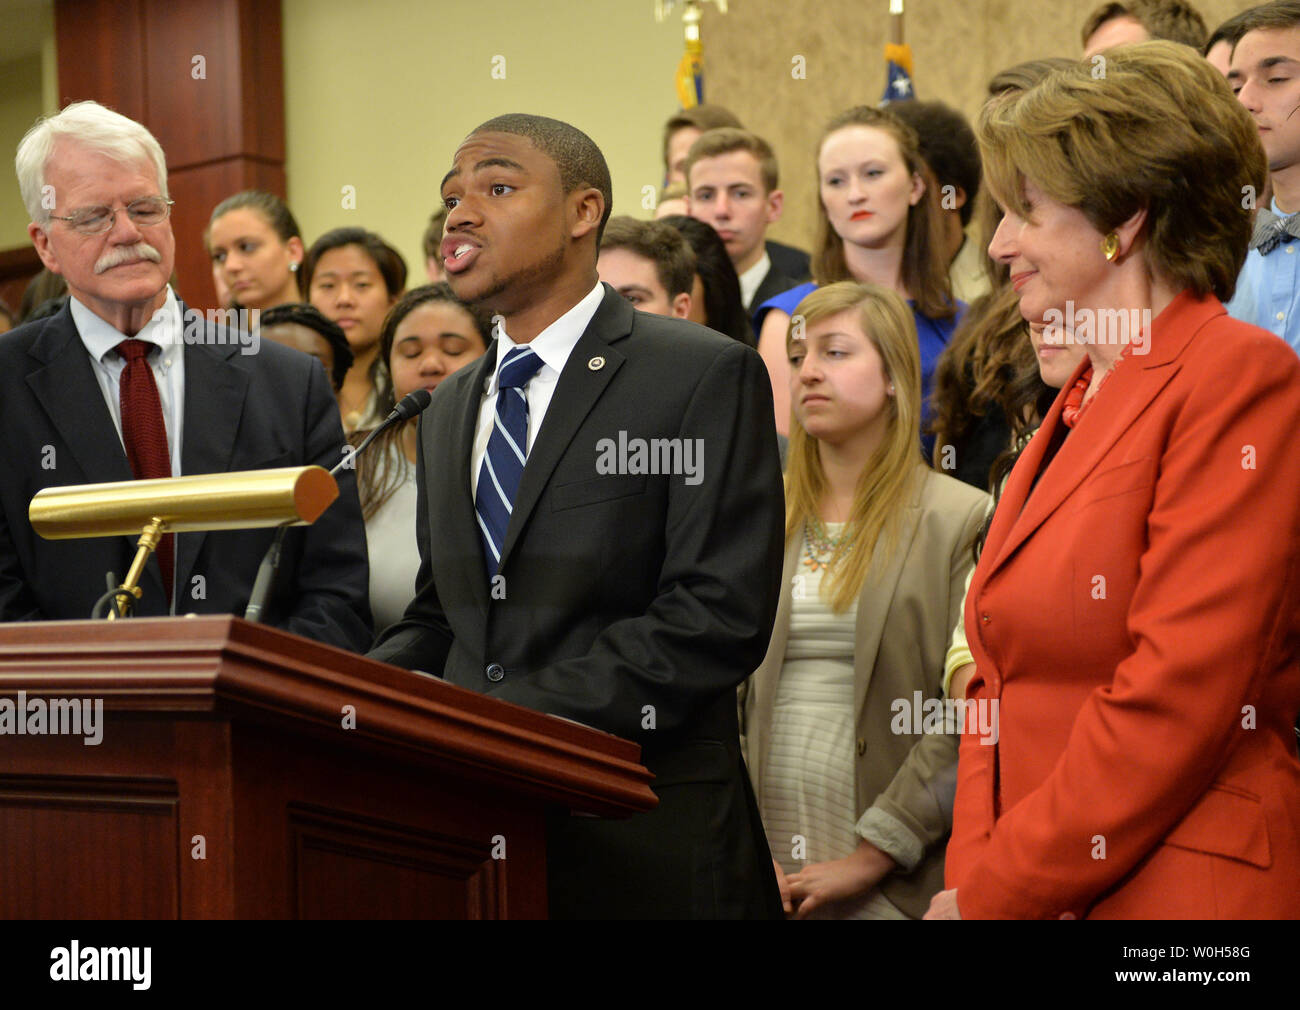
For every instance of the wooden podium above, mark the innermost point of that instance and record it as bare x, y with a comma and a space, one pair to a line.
244, 772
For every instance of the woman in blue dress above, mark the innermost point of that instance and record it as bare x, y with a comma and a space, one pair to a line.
878, 224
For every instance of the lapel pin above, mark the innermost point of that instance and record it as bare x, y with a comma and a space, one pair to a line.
596, 363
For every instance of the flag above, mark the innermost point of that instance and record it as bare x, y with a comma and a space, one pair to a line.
898, 73
690, 75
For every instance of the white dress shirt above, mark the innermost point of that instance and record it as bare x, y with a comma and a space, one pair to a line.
752, 278
553, 345
168, 365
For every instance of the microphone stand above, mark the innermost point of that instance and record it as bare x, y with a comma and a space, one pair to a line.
411, 405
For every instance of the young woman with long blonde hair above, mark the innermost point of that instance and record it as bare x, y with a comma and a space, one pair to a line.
877, 548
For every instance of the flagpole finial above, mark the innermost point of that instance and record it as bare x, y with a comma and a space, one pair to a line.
664, 8
895, 6
690, 72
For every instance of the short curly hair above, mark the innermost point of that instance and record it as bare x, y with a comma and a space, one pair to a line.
1160, 130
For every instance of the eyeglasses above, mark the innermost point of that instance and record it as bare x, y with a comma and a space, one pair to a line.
148, 210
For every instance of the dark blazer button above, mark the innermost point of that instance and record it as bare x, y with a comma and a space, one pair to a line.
496, 672
862, 746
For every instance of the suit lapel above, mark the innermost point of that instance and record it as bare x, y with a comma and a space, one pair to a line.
214, 404
577, 391
878, 593
69, 393
774, 282
1132, 386
455, 502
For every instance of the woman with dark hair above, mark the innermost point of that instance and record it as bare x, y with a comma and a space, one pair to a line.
879, 223
256, 251
305, 329
988, 395
1134, 613
987, 391
354, 277
715, 300
428, 334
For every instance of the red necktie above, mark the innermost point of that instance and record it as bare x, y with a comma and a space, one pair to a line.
145, 435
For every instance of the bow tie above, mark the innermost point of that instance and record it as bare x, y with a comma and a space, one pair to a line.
1271, 230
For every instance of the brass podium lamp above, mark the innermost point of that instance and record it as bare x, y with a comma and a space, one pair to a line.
250, 499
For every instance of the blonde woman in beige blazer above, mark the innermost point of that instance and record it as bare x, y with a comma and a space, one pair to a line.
855, 460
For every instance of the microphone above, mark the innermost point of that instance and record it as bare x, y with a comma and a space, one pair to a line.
411, 405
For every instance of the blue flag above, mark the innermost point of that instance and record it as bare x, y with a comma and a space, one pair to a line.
898, 74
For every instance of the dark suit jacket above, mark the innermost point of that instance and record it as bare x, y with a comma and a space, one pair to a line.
773, 284
633, 602
242, 412
790, 261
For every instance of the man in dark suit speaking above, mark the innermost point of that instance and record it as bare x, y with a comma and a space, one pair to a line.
126, 382
600, 523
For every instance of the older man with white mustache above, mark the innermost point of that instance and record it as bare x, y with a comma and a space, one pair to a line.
127, 254
126, 382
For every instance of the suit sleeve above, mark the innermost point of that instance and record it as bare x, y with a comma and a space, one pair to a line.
330, 589
1212, 613
16, 602
915, 811
422, 639
709, 626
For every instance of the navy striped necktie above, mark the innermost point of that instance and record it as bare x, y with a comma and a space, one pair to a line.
507, 449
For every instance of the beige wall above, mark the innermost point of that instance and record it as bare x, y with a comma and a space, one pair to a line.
378, 95
957, 45
21, 103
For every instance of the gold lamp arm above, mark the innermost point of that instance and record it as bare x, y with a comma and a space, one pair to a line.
129, 591
243, 500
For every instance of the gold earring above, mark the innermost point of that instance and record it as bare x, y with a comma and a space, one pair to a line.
1110, 246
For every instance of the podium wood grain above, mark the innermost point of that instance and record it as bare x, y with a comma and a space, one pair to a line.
227, 786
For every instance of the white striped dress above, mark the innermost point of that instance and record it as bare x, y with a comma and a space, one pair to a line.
807, 792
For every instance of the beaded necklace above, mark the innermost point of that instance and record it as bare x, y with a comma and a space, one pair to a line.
819, 546
1075, 405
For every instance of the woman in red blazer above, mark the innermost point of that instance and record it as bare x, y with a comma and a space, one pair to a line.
1135, 614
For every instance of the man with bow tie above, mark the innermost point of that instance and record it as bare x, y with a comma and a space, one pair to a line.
1265, 75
